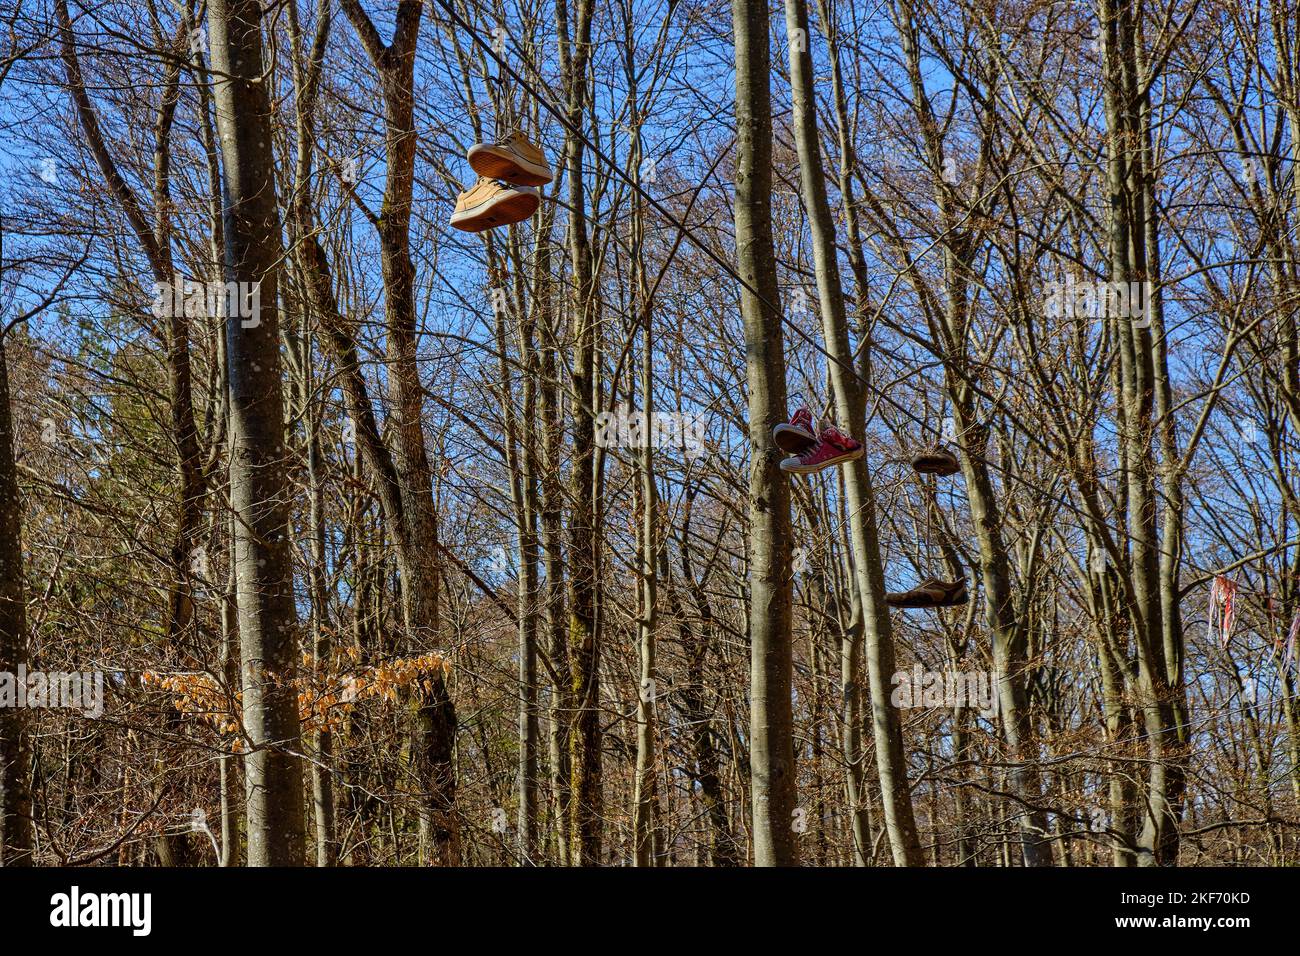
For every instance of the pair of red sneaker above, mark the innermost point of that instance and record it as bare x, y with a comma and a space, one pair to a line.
811, 452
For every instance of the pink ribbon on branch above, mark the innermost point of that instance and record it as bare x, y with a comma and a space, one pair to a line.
1223, 609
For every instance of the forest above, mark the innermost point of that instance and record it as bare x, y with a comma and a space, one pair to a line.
649, 433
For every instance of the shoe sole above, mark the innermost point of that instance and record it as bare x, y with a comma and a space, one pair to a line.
919, 603
497, 211
497, 163
793, 439
942, 469
795, 467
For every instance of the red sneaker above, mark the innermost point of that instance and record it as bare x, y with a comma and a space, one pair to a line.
797, 435
833, 447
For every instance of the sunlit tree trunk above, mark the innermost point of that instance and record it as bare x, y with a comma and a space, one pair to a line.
258, 487
864, 539
771, 745
584, 644
16, 826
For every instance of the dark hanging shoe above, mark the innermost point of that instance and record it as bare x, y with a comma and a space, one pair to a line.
931, 593
797, 435
936, 461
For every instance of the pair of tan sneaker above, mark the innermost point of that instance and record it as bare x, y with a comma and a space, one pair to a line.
506, 192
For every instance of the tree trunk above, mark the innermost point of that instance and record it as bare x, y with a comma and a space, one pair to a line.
434, 716
864, 540
585, 798
1124, 98
771, 718
259, 489
724, 850
552, 497
17, 834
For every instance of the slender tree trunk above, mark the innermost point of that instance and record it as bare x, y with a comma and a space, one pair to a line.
646, 847
433, 715
228, 658
724, 849
645, 798
322, 774
529, 619
864, 541
17, 833
306, 78
1174, 502
771, 753
552, 496
585, 798
259, 489
519, 463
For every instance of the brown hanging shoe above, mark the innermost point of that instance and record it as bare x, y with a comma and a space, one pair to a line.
931, 593
936, 461
513, 160
488, 203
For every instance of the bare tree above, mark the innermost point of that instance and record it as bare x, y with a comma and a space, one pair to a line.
268, 624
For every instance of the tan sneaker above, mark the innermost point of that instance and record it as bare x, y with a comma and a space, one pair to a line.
513, 160
488, 203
